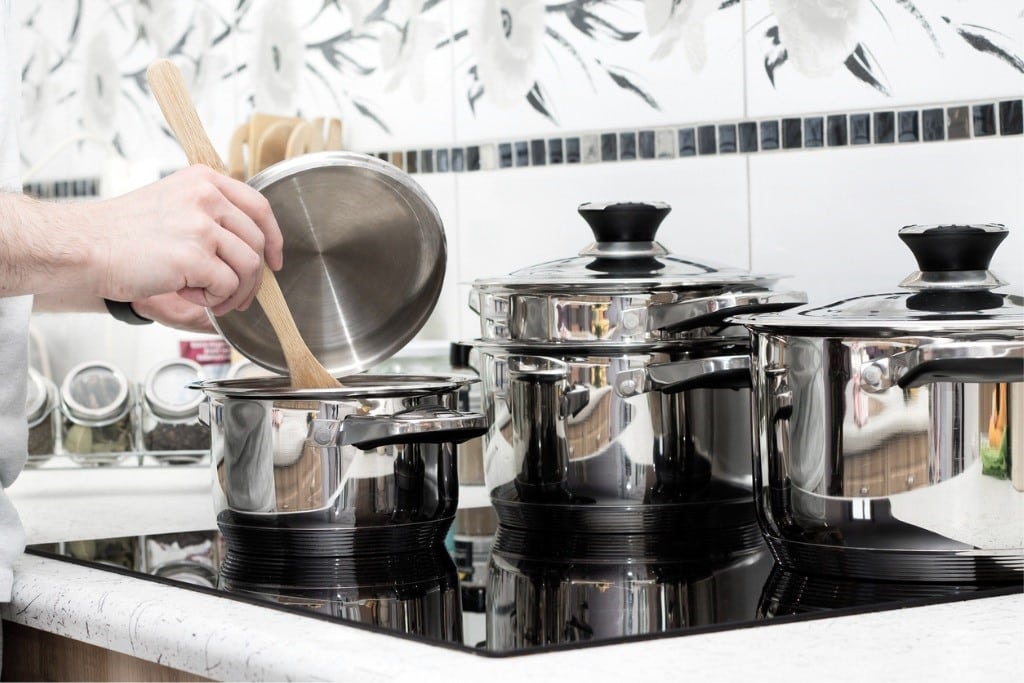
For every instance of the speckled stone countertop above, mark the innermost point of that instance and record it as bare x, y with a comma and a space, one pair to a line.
224, 639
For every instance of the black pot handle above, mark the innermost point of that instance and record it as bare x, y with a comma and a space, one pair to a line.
975, 361
425, 424
716, 372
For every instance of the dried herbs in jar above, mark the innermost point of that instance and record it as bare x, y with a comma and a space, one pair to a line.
97, 402
40, 402
170, 411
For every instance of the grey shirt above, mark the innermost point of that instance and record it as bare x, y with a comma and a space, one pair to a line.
14, 318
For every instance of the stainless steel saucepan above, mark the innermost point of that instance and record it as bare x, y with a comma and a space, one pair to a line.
584, 435
368, 468
890, 427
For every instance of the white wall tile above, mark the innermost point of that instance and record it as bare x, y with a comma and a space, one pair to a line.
917, 64
514, 218
443, 322
830, 218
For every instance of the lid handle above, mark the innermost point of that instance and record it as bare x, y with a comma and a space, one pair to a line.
624, 221
953, 256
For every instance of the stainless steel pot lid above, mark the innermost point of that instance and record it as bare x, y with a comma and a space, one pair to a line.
364, 261
623, 257
355, 387
951, 292
624, 289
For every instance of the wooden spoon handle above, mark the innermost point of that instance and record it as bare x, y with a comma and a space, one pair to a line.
172, 95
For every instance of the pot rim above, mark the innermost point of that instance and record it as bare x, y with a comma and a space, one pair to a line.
354, 387
813, 320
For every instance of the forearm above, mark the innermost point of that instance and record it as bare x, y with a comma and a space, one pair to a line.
68, 301
41, 249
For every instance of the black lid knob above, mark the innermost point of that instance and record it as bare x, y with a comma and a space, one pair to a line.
624, 221
944, 248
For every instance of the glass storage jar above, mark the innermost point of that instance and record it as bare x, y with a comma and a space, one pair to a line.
170, 412
97, 403
40, 400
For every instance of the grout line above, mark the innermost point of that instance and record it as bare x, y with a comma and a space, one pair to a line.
746, 115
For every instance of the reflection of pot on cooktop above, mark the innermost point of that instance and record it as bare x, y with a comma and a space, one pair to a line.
555, 589
788, 593
415, 593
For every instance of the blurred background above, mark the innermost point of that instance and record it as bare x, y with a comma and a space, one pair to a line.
788, 136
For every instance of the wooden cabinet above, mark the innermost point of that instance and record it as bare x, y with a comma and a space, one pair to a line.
34, 655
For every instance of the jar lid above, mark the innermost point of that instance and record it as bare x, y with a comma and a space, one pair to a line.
950, 292
167, 389
623, 258
40, 397
95, 392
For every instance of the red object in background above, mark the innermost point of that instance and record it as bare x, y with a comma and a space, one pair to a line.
213, 354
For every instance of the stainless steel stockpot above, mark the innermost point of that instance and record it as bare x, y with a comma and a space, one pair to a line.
890, 428
595, 422
366, 468
576, 444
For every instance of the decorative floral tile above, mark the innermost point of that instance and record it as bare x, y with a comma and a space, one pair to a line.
536, 68
846, 54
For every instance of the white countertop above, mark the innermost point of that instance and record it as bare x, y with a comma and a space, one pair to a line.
221, 638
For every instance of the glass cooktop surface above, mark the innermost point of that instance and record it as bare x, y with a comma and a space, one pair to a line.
514, 592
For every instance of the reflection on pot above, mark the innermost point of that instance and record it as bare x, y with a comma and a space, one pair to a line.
554, 589
415, 593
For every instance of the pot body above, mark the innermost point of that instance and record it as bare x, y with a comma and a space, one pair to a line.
369, 468
591, 447
860, 476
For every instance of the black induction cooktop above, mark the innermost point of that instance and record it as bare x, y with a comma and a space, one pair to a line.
515, 592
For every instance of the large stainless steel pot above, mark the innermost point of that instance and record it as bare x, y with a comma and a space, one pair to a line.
367, 468
890, 428
584, 434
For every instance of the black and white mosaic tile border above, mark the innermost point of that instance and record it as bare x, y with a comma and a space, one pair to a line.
882, 127
817, 131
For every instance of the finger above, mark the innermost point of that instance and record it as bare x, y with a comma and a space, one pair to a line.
246, 265
209, 281
242, 226
257, 208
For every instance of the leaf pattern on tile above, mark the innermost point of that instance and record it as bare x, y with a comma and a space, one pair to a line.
812, 36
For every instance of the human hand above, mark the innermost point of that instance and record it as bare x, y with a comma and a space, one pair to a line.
174, 311
196, 232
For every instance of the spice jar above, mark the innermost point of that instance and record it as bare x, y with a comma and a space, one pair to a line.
170, 411
40, 401
97, 403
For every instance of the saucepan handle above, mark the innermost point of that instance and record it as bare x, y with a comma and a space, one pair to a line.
713, 310
425, 424
716, 372
974, 361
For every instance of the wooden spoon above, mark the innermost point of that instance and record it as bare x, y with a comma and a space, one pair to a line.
171, 94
